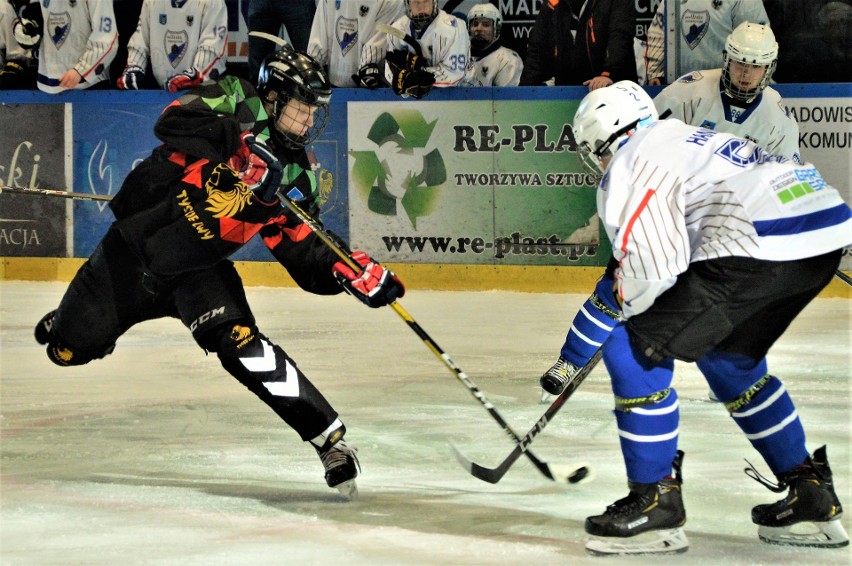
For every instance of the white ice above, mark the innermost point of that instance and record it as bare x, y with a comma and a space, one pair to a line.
155, 455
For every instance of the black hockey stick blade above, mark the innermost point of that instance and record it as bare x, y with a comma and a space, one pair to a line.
565, 474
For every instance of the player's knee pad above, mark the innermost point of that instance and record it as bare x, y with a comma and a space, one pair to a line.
61, 353
257, 363
633, 375
731, 375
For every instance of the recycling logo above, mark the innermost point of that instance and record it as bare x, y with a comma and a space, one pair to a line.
401, 170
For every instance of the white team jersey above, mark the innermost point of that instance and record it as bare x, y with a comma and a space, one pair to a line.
344, 39
675, 194
698, 99
78, 34
703, 30
445, 44
501, 67
179, 35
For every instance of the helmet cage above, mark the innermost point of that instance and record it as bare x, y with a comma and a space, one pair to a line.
422, 21
754, 45
293, 75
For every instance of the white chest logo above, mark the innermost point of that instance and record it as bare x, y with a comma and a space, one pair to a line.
175, 43
59, 26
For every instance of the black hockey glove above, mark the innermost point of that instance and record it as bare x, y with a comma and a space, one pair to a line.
14, 76
27, 28
415, 84
402, 59
369, 76
374, 286
257, 167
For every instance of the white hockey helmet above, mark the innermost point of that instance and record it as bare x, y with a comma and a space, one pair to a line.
485, 12
749, 44
421, 21
605, 117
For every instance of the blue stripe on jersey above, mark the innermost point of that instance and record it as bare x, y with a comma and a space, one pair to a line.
804, 223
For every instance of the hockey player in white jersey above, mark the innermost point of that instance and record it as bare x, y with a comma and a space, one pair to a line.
718, 247
184, 41
344, 39
737, 98
444, 50
76, 41
491, 63
702, 32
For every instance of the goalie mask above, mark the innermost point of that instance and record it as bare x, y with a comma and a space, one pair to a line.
298, 91
483, 36
606, 117
421, 12
750, 57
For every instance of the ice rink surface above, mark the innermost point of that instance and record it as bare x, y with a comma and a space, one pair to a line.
155, 455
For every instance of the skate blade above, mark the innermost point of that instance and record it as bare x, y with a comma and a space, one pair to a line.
348, 489
828, 534
668, 541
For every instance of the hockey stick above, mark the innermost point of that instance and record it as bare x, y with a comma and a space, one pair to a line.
577, 475
843, 277
399, 34
342, 250
54, 193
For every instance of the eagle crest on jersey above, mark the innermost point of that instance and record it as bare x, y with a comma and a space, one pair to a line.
694, 26
230, 201
59, 26
176, 45
346, 33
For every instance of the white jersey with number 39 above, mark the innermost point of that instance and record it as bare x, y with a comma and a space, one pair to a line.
675, 194
446, 47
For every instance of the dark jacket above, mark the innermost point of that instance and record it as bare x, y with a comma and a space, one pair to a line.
604, 43
184, 209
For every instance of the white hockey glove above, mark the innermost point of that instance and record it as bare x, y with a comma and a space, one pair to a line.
27, 32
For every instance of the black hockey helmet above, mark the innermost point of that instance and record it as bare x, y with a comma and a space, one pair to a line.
292, 75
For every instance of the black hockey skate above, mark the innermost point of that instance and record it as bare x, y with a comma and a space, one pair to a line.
558, 376
648, 521
341, 467
810, 514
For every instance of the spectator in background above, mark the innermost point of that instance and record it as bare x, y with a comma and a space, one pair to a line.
814, 39
76, 46
702, 31
184, 42
17, 65
345, 41
581, 43
492, 64
268, 16
445, 47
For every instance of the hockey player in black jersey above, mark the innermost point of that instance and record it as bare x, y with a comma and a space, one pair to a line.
211, 186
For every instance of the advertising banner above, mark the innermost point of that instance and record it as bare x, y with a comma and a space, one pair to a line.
473, 182
32, 156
